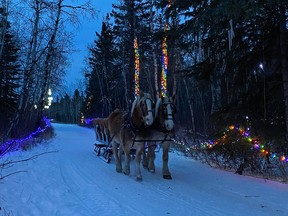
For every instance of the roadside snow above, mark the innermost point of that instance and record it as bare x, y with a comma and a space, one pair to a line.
73, 181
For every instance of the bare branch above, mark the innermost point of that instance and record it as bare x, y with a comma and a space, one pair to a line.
27, 159
2, 177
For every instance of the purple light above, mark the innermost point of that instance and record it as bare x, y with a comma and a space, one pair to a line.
256, 146
88, 120
14, 145
247, 133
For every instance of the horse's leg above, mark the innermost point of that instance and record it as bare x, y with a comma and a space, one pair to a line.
139, 150
118, 160
151, 158
165, 170
145, 158
126, 146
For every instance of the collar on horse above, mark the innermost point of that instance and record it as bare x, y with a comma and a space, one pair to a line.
128, 123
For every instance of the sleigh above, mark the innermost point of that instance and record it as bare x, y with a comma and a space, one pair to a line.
103, 148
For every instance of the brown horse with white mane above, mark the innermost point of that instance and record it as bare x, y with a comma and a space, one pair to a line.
162, 131
124, 128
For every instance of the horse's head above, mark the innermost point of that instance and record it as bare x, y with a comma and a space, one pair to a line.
164, 112
144, 104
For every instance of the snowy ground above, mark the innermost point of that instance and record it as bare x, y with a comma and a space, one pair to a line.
74, 182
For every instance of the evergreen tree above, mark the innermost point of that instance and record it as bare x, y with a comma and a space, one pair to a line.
131, 20
10, 79
103, 87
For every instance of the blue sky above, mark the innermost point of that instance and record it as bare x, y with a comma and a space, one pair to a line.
84, 36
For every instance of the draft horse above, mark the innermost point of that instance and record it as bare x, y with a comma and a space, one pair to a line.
124, 128
162, 131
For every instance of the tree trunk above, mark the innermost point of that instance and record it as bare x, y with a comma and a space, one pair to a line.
29, 70
215, 92
191, 110
154, 52
48, 59
3, 25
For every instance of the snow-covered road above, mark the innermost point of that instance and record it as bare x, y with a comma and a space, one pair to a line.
73, 181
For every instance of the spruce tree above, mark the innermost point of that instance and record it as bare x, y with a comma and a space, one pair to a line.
103, 87
10, 79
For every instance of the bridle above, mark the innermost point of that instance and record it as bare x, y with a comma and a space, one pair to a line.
166, 115
149, 110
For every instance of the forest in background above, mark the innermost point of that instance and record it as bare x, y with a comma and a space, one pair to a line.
227, 63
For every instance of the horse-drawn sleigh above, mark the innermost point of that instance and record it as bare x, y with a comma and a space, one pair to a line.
128, 132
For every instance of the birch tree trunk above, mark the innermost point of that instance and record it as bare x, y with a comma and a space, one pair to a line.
48, 59
29, 70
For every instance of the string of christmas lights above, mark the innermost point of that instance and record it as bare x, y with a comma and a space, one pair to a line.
16, 144
164, 60
88, 120
137, 67
164, 66
255, 142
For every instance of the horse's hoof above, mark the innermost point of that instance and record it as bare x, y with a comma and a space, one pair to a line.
151, 170
139, 178
118, 170
167, 176
145, 166
126, 173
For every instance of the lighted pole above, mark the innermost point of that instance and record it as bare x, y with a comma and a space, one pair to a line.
164, 60
137, 67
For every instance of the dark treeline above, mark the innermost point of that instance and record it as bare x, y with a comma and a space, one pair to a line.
67, 109
227, 62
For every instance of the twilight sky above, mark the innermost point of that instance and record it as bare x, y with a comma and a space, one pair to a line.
84, 36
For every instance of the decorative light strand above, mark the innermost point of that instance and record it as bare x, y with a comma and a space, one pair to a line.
164, 66
137, 67
164, 60
88, 120
16, 144
255, 142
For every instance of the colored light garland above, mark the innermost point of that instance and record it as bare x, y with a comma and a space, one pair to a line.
254, 141
16, 144
164, 66
164, 60
137, 67
245, 133
88, 120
